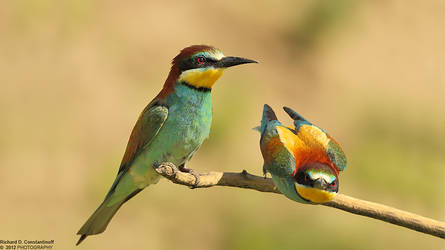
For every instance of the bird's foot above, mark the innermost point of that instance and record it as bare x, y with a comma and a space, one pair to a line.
172, 166
264, 172
182, 168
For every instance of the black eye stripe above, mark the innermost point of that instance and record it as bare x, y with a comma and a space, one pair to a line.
303, 178
192, 63
211, 60
186, 65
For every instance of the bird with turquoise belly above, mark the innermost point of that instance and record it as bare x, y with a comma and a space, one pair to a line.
171, 129
304, 161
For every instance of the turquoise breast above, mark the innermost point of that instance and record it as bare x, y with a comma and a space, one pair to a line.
187, 126
188, 123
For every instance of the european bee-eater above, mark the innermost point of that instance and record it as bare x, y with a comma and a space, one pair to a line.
304, 161
171, 128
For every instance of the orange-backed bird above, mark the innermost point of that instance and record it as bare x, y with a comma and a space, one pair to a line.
304, 161
170, 129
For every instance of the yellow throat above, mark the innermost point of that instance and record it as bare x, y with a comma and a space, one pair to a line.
314, 194
201, 77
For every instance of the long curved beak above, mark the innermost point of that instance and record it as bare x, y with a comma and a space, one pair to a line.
230, 61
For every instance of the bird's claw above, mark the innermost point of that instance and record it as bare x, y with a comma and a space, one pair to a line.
182, 168
197, 178
172, 166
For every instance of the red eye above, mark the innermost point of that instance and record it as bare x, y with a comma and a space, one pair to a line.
200, 60
333, 183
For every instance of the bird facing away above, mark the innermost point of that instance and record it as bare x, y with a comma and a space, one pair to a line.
171, 128
304, 161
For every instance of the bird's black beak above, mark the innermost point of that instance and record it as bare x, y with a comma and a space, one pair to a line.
230, 61
320, 183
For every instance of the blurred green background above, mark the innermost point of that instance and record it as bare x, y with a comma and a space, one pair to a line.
75, 74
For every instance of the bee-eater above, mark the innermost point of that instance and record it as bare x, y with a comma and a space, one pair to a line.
304, 161
171, 128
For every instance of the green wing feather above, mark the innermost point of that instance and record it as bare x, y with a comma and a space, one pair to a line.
147, 127
336, 154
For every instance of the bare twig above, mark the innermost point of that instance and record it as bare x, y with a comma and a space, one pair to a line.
343, 202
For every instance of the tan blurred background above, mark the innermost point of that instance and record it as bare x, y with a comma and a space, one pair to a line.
75, 74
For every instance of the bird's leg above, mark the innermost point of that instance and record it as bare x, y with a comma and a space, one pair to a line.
264, 172
182, 168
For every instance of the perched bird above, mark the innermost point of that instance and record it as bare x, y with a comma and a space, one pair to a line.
304, 161
171, 128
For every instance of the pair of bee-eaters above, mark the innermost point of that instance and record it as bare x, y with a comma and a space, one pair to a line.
303, 161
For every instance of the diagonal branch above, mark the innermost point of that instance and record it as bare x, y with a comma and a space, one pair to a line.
343, 202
